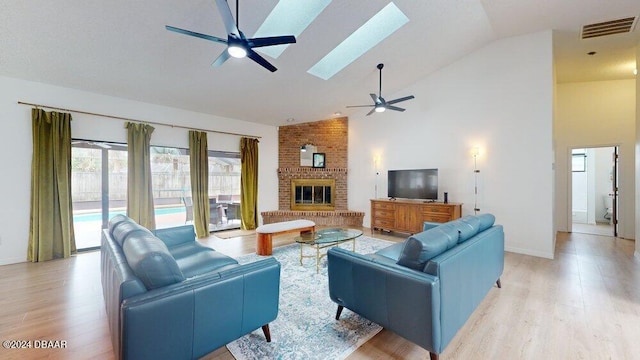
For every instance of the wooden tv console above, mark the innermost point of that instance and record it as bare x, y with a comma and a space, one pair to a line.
408, 216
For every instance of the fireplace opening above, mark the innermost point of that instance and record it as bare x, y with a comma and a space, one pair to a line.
313, 194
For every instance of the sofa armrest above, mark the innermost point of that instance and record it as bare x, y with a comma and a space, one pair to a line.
429, 225
175, 236
400, 299
467, 272
192, 318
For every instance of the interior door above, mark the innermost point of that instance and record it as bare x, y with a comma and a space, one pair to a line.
614, 192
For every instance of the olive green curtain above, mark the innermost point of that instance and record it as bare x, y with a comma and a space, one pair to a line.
199, 169
139, 188
249, 183
51, 227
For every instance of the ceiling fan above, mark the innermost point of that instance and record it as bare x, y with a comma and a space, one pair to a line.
379, 103
238, 45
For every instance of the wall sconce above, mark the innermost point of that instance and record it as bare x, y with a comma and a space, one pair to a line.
475, 152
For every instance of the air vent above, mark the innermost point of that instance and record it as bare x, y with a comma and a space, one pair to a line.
618, 26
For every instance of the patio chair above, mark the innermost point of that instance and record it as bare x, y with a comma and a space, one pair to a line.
233, 211
216, 212
188, 207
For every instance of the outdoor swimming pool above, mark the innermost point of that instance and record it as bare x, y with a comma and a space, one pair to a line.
97, 216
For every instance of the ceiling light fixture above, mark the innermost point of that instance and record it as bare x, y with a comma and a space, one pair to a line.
238, 46
379, 103
237, 51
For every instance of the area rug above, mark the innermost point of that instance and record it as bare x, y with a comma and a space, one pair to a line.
234, 233
306, 327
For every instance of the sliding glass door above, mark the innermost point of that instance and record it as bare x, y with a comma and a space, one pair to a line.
171, 185
224, 190
98, 188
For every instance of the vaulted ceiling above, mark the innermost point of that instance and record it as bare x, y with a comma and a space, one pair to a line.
121, 48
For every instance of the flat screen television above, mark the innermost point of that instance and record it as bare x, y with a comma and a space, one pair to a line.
413, 184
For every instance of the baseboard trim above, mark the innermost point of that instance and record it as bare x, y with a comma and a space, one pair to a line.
529, 252
12, 261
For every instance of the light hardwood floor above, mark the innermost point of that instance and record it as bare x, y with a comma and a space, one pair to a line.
585, 304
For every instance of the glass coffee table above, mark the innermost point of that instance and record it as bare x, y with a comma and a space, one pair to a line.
324, 238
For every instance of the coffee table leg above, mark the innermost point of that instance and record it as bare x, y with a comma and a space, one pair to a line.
317, 259
301, 254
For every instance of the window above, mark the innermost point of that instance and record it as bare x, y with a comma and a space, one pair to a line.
578, 160
99, 187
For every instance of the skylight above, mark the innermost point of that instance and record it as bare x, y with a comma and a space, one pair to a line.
288, 17
376, 29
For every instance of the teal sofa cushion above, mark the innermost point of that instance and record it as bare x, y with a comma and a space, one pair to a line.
116, 220
123, 229
468, 226
486, 221
150, 260
178, 235
421, 247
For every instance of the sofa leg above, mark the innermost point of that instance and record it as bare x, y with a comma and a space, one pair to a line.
340, 307
499, 283
433, 356
267, 333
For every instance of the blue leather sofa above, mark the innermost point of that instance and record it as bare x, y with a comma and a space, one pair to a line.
169, 297
425, 288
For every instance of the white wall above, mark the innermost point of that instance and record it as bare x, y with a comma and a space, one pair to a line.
16, 146
499, 98
637, 153
596, 114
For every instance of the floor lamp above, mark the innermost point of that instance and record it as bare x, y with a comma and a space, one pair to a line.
376, 160
475, 152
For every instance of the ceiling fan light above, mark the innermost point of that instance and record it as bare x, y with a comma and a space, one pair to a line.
237, 51
380, 108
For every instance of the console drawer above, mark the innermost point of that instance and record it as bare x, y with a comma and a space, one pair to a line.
383, 223
384, 214
437, 209
383, 206
434, 217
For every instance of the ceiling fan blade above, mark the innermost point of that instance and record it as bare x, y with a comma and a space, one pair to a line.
354, 106
272, 40
227, 18
371, 112
193, 33
391, 107
221, 59
375, 98
260, 60
401, 99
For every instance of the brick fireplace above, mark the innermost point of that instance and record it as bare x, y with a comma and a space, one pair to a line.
331, 138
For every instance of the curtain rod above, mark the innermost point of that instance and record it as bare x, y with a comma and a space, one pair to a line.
135, 120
